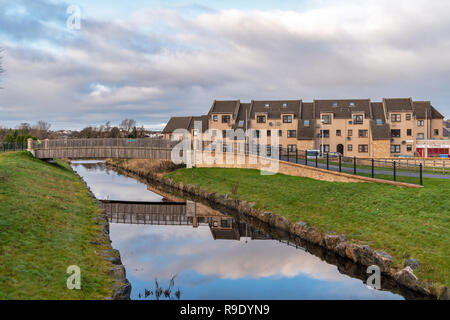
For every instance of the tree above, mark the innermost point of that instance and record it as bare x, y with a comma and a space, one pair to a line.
115, 133
128, 124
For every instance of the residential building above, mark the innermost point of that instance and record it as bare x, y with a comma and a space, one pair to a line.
352, 127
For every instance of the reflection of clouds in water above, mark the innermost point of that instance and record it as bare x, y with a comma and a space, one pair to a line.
107, 184
162, 251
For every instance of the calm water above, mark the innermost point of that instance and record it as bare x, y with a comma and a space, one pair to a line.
215, 269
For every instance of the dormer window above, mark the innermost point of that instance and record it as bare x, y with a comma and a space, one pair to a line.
352, 104
335, 104
358, 119
379, 122
287, 118
284, 105
241, 123
260, 119
266, 105
326, 119
306, 123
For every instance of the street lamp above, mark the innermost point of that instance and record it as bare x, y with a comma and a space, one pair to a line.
322, 146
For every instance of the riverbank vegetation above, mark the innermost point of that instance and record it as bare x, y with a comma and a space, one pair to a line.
404, 222
47, 224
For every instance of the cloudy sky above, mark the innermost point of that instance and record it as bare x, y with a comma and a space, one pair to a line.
150, 60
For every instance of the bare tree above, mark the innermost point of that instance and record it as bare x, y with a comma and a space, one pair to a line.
42, 128
128, 124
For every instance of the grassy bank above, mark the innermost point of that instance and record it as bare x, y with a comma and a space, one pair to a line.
401, 221
46, 225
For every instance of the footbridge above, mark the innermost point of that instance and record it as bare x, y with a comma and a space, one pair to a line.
124, 148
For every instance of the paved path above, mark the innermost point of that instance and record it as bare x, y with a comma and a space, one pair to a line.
312, 163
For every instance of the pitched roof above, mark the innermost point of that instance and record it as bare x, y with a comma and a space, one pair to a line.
202, 119
307, 113
342, 108
177, 123
186, 123
398, 104
274, 108
378, 111
424, 109
380, 131
242, 116
225, 106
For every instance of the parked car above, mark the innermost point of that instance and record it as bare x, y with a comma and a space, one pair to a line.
334, 154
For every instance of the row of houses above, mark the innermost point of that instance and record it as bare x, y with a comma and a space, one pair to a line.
352, 127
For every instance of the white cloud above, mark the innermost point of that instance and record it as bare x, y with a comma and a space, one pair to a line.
158, 62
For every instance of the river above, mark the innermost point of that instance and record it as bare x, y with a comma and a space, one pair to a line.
246, 263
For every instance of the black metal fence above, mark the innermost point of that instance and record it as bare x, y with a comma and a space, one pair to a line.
370, 167
13, 146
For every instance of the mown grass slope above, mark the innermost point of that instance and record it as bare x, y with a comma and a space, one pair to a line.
46, 225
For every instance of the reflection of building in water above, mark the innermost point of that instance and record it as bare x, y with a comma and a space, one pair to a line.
226, 228
180, 213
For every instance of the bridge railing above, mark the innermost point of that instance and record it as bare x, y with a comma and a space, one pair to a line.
103, 142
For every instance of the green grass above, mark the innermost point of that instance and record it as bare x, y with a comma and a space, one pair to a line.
46, 224
404, 222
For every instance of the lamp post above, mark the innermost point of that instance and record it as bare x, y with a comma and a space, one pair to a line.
322, 146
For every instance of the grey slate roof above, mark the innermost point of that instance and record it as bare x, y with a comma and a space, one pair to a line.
307, 112
185, 123
342, 109
275, 108
177, 123
225, 106
242, 116
398, 104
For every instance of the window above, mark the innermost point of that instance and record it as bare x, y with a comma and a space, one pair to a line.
338, 132
268, 150
326, 119
266, 105
194, 132
292, 133
326, 148
379, 122
214, 133
261, 119
335, 104
269, 133
227, 147
363, 148
287, 119
306, 123
408, 132
396, 117
395, 148
241, 123
420, 136
350, 132
225, 119
224, 133
408, 116
436, 132
349, 147
291, 147
409, 147
420, 123
395, 133
256, 133
363, 133
215, 117
280, 133
284, 105
326, 133
358, 119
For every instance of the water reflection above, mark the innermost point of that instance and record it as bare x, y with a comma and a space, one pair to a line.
218, 256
